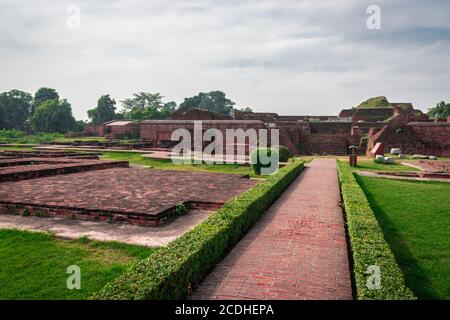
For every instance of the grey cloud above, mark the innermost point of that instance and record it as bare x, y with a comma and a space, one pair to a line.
292, 56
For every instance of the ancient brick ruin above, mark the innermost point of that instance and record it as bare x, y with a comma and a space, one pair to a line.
68, 185
375, 120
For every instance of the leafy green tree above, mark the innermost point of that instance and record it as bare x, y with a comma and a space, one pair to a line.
105, 110
79, 125
53, 116
44, 94
442, 110
146, 105
15, 108
215, 101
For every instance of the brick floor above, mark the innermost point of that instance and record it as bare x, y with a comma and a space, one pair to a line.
128, 192
28, 169
297, 250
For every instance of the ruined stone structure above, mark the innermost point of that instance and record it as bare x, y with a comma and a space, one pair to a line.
197, 114
375, 120
121, 129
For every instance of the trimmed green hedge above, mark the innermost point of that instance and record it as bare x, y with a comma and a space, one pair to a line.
183, 263
368, 244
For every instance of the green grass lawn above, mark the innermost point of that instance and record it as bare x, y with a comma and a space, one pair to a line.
415, 218
14, 148
33, 265
86, 139
369, 165
138, 159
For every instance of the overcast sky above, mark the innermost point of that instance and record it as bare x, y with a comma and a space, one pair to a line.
291, 57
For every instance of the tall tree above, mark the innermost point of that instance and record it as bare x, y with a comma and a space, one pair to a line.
146, 105
15, 108
53, 116
442, 110
44, 94
105, 110
213, 100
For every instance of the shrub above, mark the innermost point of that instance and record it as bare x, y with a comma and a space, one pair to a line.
183, 263
379, 160
181, 209
17, 136
258, 157
283, 153
369, 248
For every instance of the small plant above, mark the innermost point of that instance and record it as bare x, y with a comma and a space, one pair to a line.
283, 153
26, 212
379, 160
180, 209
109, 220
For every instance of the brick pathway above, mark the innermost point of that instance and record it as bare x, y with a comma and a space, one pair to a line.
296, 251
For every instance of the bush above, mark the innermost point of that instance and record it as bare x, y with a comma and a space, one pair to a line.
283, 153
379, 160
183, 263
369, 248
257, 160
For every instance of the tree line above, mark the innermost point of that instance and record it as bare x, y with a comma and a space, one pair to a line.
146, 105
45, 111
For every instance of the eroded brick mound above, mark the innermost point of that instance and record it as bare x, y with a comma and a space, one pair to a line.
144, 197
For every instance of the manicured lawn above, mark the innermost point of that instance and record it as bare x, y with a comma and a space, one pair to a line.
138, 159
86, 139
415, 218
369, 165
14, 148
33, 265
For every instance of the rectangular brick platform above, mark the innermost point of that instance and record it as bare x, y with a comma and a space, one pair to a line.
138, 196
45, 154
43, 167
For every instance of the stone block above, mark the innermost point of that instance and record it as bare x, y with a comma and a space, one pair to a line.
396, 151
388, 160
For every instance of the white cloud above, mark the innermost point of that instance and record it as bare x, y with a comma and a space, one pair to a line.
292, 57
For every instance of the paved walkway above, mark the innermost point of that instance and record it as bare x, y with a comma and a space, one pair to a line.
102, 231
296, 251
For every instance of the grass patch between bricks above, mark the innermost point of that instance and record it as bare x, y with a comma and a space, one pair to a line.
368, 244
183, 264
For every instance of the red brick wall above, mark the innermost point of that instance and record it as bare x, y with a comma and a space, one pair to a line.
120, 131
94, 130
160, 132
415, 138
433, 133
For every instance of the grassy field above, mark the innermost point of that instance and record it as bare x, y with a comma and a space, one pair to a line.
369, 165
138, 159
415, 218
16, 136
14, 148
86, 139
34, 265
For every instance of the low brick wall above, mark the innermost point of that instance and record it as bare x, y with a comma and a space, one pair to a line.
82, 214
434, 133
45, 170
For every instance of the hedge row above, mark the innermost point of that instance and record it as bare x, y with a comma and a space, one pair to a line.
369, 248
182, 264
